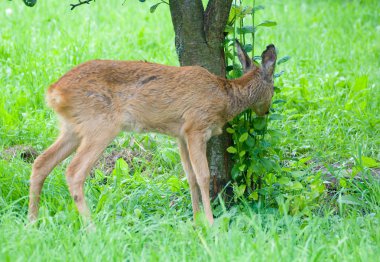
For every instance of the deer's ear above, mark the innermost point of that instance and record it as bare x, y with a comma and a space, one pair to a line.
268, 61
244, 59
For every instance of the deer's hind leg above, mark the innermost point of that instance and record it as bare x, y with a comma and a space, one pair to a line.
65, 144
92, 145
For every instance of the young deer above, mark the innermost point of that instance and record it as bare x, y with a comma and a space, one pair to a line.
100, 98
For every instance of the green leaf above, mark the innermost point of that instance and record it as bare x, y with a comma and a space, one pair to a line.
242, 153
122, 166
278, 101
230, 56
254, 196
30, 3
250, 142
231, 150
296, 186
245, 30
259, 123
286, 169
242, 168
229, 29
283, 180
240, 190
277, 90
246, 11
230, 130
248, 48
304, 160
229, 68
235, 73
235, 173
154, 7
265, 144
233, 15
257, 8
267, 23
343, 182
356, 170
276, 75
369, 162
243, 137
283, 60
267, 164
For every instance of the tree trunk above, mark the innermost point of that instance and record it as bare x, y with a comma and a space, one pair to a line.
199, 41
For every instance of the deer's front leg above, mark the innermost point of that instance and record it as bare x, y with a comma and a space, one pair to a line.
191, 178
196, 144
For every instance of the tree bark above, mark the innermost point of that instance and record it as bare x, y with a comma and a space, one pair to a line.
199, 41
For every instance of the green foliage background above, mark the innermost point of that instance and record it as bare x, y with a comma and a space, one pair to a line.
329, 127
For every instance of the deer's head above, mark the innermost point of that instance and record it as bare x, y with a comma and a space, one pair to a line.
261, 83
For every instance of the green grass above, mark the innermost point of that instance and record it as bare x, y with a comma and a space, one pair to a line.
260, 236
143, 211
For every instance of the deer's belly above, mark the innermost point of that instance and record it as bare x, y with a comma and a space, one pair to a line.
150, 123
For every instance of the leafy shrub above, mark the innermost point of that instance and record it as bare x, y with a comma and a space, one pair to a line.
256, 172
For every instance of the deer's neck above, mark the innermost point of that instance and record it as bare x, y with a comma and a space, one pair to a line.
244, 92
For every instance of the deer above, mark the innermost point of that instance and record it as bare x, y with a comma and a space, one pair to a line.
98, 99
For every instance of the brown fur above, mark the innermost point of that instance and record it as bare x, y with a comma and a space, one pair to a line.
100, 98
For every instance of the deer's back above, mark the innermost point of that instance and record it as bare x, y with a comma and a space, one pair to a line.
139, 96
